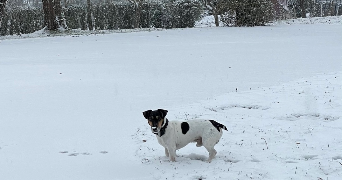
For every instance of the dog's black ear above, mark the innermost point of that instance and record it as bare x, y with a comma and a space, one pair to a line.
147, 113
162, 112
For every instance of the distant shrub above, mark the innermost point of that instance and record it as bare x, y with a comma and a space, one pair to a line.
21, 21
76, 17
246, 12
186, 13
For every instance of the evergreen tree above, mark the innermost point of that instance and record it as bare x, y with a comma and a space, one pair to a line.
247, 12
2, 9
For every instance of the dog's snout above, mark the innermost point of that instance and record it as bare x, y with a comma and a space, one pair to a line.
154, 130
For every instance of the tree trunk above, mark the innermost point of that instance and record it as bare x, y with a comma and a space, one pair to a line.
138, 14
213, 6
302, 8
89, 17
52, 14
217, 24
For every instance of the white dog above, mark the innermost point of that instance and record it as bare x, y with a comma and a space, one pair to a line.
173, 135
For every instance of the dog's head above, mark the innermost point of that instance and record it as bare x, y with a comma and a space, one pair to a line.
155, 119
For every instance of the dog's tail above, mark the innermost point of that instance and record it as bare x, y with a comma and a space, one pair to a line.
218, 126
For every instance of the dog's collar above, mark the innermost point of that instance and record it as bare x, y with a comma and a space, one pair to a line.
162, 130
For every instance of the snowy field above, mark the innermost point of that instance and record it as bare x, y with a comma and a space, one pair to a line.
71, 106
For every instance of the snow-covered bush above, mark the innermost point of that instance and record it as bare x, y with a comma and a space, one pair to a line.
76, 17
186, 13
246, 12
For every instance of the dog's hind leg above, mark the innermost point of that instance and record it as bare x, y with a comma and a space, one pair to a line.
212, 153
209, 145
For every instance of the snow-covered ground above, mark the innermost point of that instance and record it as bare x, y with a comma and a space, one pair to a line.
71, 106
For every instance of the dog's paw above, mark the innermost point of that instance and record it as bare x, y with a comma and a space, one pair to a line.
172, 159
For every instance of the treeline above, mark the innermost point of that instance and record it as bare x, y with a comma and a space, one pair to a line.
110, 16
107, 16
128, 14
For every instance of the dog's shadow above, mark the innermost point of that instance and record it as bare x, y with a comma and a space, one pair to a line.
194, 156
180, 158
184, 158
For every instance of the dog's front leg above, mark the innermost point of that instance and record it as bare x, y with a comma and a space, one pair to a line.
166, 152
172, 153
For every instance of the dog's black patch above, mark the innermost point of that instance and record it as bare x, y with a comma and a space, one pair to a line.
185, 127
218, 125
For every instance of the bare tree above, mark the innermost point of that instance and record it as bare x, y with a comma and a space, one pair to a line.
213, 7
53, 14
